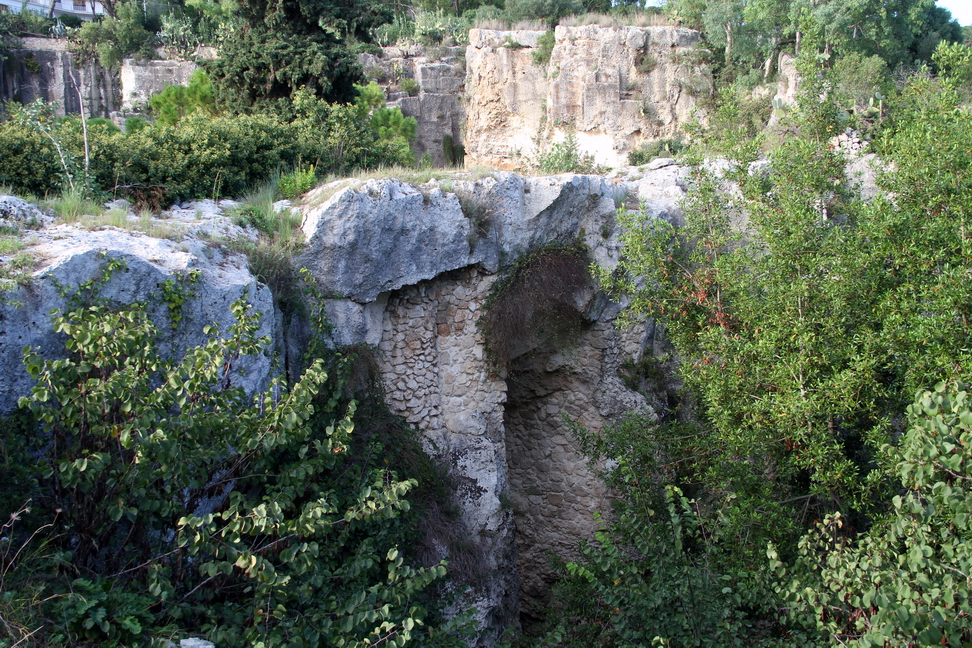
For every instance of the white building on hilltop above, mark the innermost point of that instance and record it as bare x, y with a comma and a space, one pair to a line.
83, 9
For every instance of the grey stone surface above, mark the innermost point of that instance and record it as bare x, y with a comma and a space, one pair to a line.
383, 236
68, 256
142, 79
196, 643
46, 69
862, 174
17, 214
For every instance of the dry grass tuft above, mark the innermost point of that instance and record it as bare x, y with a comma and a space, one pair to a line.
633, 19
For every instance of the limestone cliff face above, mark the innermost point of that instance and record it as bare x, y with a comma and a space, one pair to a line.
414, 266
45, 69
437, 108
142, 79
616, 87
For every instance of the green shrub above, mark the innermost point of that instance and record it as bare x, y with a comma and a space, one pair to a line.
28, 162
545, 45
112, 39
390, 123
202, 156
547, 11
175, 504
134, 124
651, 150
336, 138
297, 183
905, 581
858, 78
205, 156
177, 101
410, 85
565, 157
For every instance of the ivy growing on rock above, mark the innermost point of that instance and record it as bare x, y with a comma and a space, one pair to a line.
537, 302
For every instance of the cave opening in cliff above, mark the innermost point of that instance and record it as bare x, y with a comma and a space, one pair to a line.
538, 327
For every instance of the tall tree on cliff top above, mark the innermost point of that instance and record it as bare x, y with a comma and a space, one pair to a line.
289, 44
753, 31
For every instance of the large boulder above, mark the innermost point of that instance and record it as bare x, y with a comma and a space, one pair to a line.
384, 235
67, 257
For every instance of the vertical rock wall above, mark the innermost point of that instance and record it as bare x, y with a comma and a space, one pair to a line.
436, 376
554, 493
45, 69
614, 87
437, 109
142, 79
414, 267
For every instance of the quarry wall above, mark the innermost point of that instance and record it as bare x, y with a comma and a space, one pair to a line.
614, 88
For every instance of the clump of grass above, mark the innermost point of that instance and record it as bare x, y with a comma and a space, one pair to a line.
618, 19
529, 25
296, 184
499, 23
73, 204
257, 211
478, 212
11, 245
271, 256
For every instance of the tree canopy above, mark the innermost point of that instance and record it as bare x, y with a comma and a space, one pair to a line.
287, 45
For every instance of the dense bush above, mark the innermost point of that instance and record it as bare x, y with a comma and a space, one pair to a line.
115, 37
548, 11
805, 320
287, 46
167, 502
28, 163
563, 157
205, 156
201, 155
177, 101
651, 150
906, 581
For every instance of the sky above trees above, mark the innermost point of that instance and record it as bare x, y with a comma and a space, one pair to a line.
961, 10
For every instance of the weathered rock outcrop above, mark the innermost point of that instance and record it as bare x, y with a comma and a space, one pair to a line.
142, 79
437, 108
45, 69
412, 268
614, 87
67, 256
409, 270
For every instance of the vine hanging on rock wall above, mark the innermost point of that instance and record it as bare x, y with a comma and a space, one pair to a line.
538, 302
